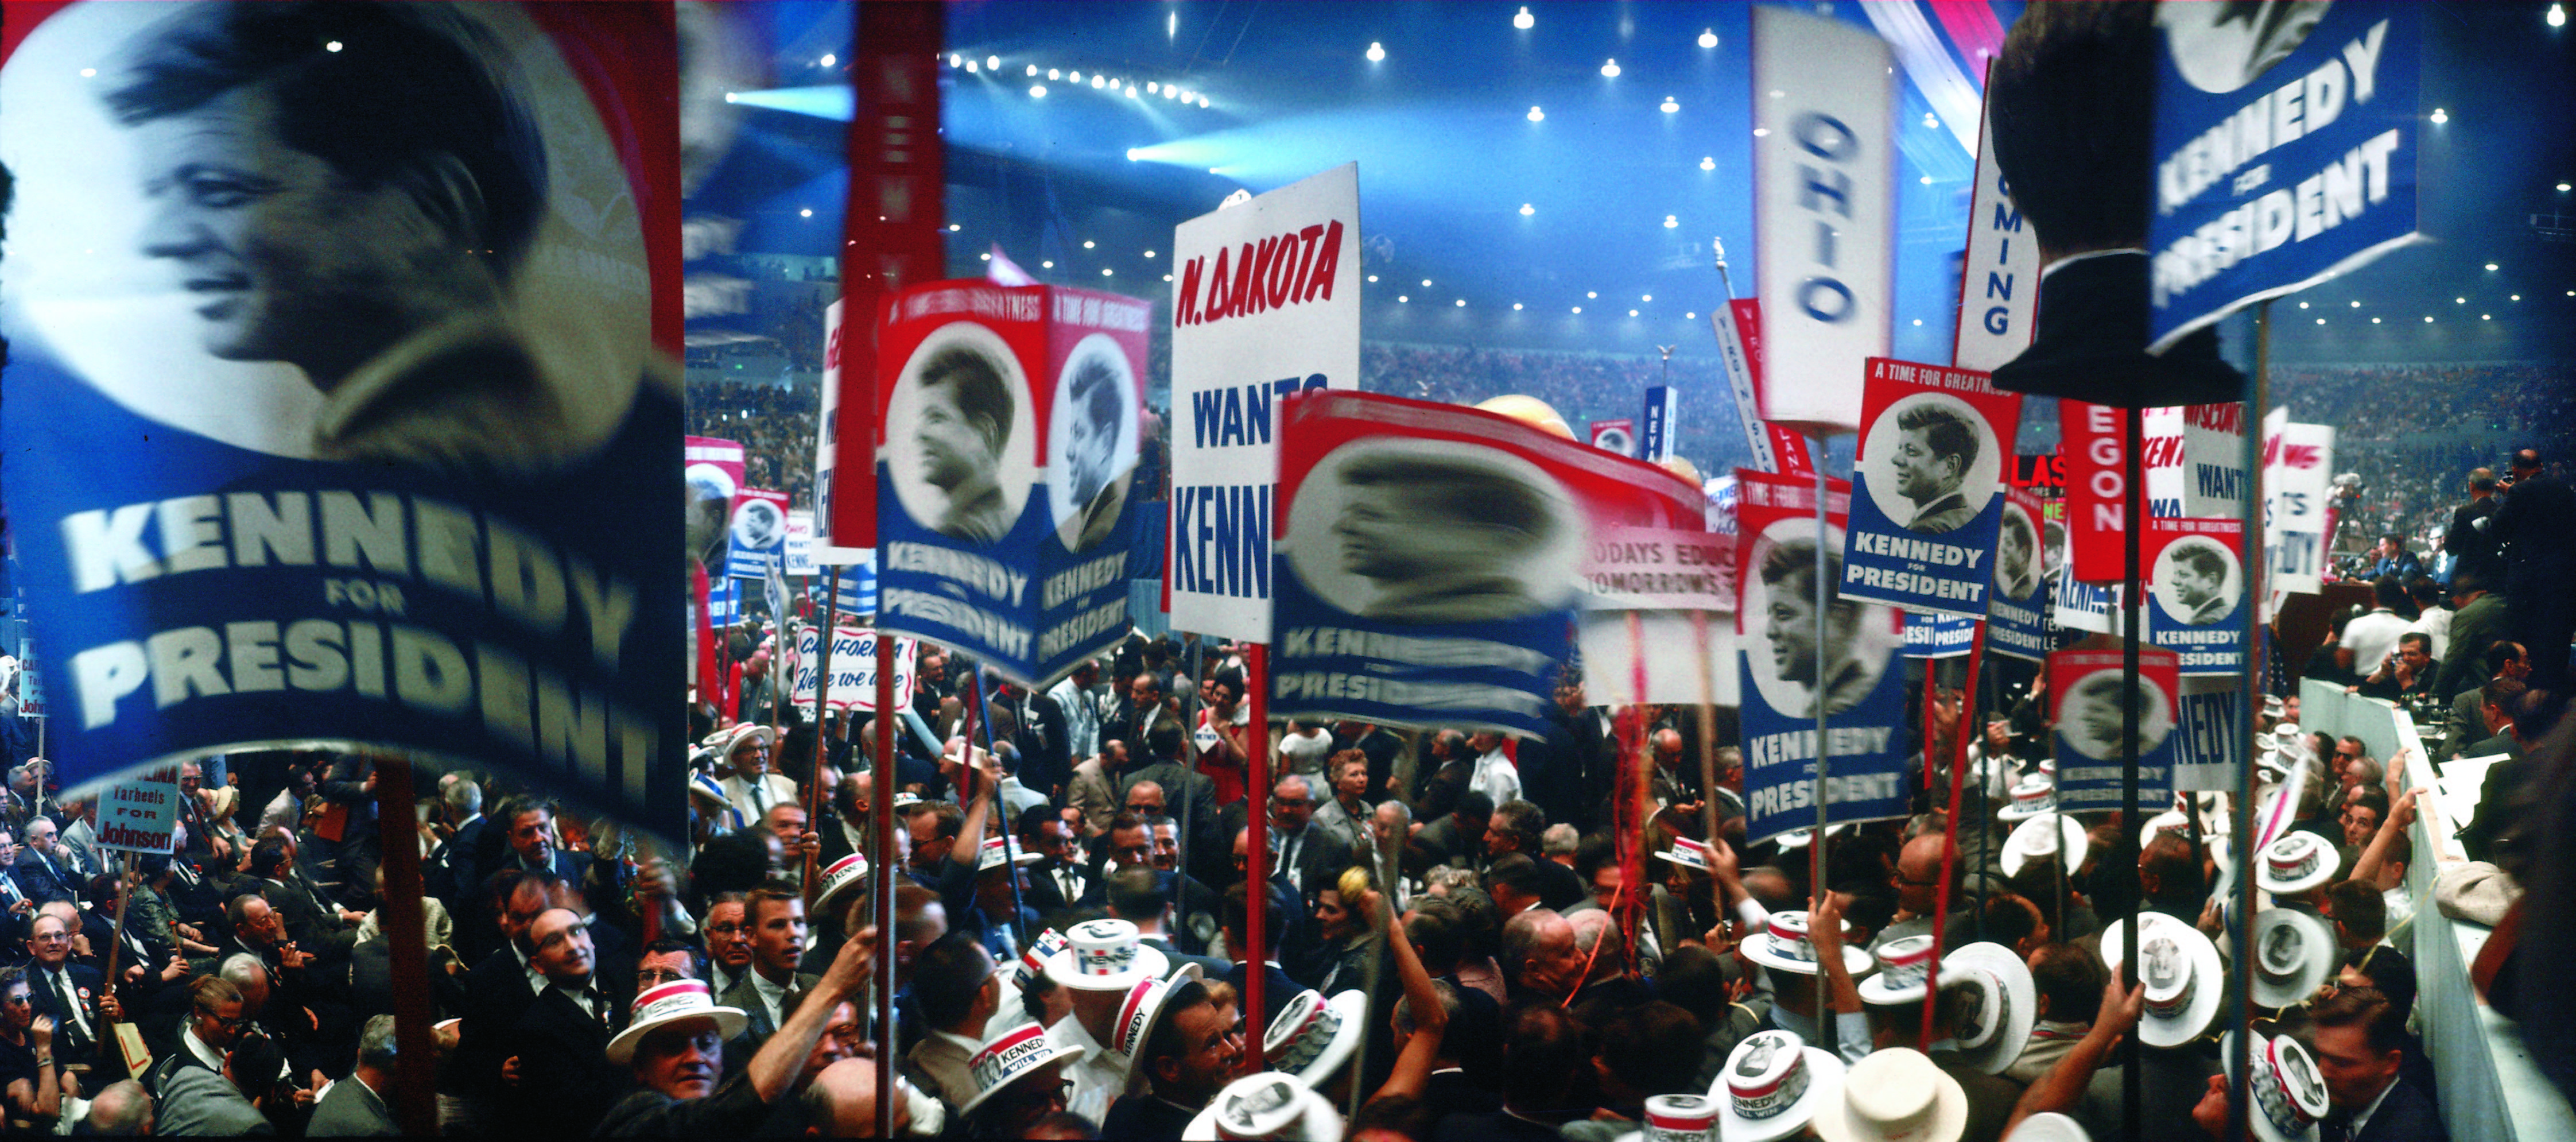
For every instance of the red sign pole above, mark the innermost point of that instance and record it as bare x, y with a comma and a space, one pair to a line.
1256, 847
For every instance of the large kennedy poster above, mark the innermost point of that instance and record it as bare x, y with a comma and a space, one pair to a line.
2090, 701
1430, 556
2196, 591
1010, 426
1266, 303
344, 336
2286, 146
1930, 471
1790, 667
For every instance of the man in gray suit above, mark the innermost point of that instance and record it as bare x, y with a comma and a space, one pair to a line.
199, 1102
355, 1106
769, 992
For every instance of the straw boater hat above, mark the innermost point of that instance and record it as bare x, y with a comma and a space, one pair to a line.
1314, 1036
2293, 953
678, 1001
1687, 853
2049, 835
997, 850
1895, 1095
1995, 1030
1266, 1105
2031, 796
1104, 955
2179, 968
1009, 1057
1797, 838
1782, 945
1147, 1001
705, 787
726, 740
1904, 968
840, 876
2289, 1095
1772, 1086
2294, 864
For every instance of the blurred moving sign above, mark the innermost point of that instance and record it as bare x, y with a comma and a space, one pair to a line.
1615, 436
140, 816
31, 682
1266, 303
2286, 143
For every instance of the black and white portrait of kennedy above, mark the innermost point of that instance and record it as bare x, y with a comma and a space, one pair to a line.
1780, 601
1431, 531
1093, 446
320, 230
2016, 554
1931, 463
2195, 581
957, 434
2092, 717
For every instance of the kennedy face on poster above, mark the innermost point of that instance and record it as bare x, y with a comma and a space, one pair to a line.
336, 325
1092, 446
2091, 706
972, 557
1785, 657
2196, 587
1931, 466
710, 480
759, 535
2017, 617
1429, 558
2074, 607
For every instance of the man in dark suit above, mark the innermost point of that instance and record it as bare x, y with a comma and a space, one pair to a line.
1137, 896
2530, 533
556, 1074
1459, 835
1541, 1055
1062, 881
1309, 856
317, 922
40, 868
769, 992
16, 895
82, 1010
2360, 1040
453, 875
1276, 988
349, 824
500, 988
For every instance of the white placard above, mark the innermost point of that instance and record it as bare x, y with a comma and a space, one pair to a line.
800, 543
2297, 460
854, 669
139, 816
1999, 294
1244, 337
1824, 166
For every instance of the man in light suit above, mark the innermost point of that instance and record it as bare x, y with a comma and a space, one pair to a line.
355, 1106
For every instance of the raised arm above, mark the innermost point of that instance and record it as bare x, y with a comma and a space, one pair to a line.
1430, 1020
2064, 1084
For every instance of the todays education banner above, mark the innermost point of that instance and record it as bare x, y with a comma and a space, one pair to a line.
1930, 471
1011, 422
1430, 558
1265, 304
421, 504
1779, 549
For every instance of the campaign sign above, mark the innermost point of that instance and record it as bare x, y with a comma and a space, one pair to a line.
2089, 700
724, 603
142, 815
1776, 448
1618, 437
2073, 606
2210, 741
1430, 555
2095, 447
1265, 304
858, 589
1930, 634
756, 544
854, 669
1999, 277
2297, 459
1824, 195
711, 476
845, 493
2196, 592
1647, 568
1777, 552
1655, 441
328, 467
1010, 424
2162, 436
30, 680
799, 552
2286, 147
1930, 472
2017, 610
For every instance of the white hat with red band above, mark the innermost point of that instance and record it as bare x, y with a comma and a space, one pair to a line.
675, 1002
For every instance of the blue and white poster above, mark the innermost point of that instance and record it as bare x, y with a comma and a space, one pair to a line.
1009, 437
1930, 472
2017, 611
2286, 146
1930, 634
2089, 703
1655, 435
347, 417
2210, 742
2196, 591
1430, 556
1789, 667
756, 542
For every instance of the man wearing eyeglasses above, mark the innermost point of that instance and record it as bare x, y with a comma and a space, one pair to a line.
82, 1009
563, 1079
216, 1017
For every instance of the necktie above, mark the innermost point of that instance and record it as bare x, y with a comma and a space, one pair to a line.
1071, 882
72, 1002
759, 799
2335, 1130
